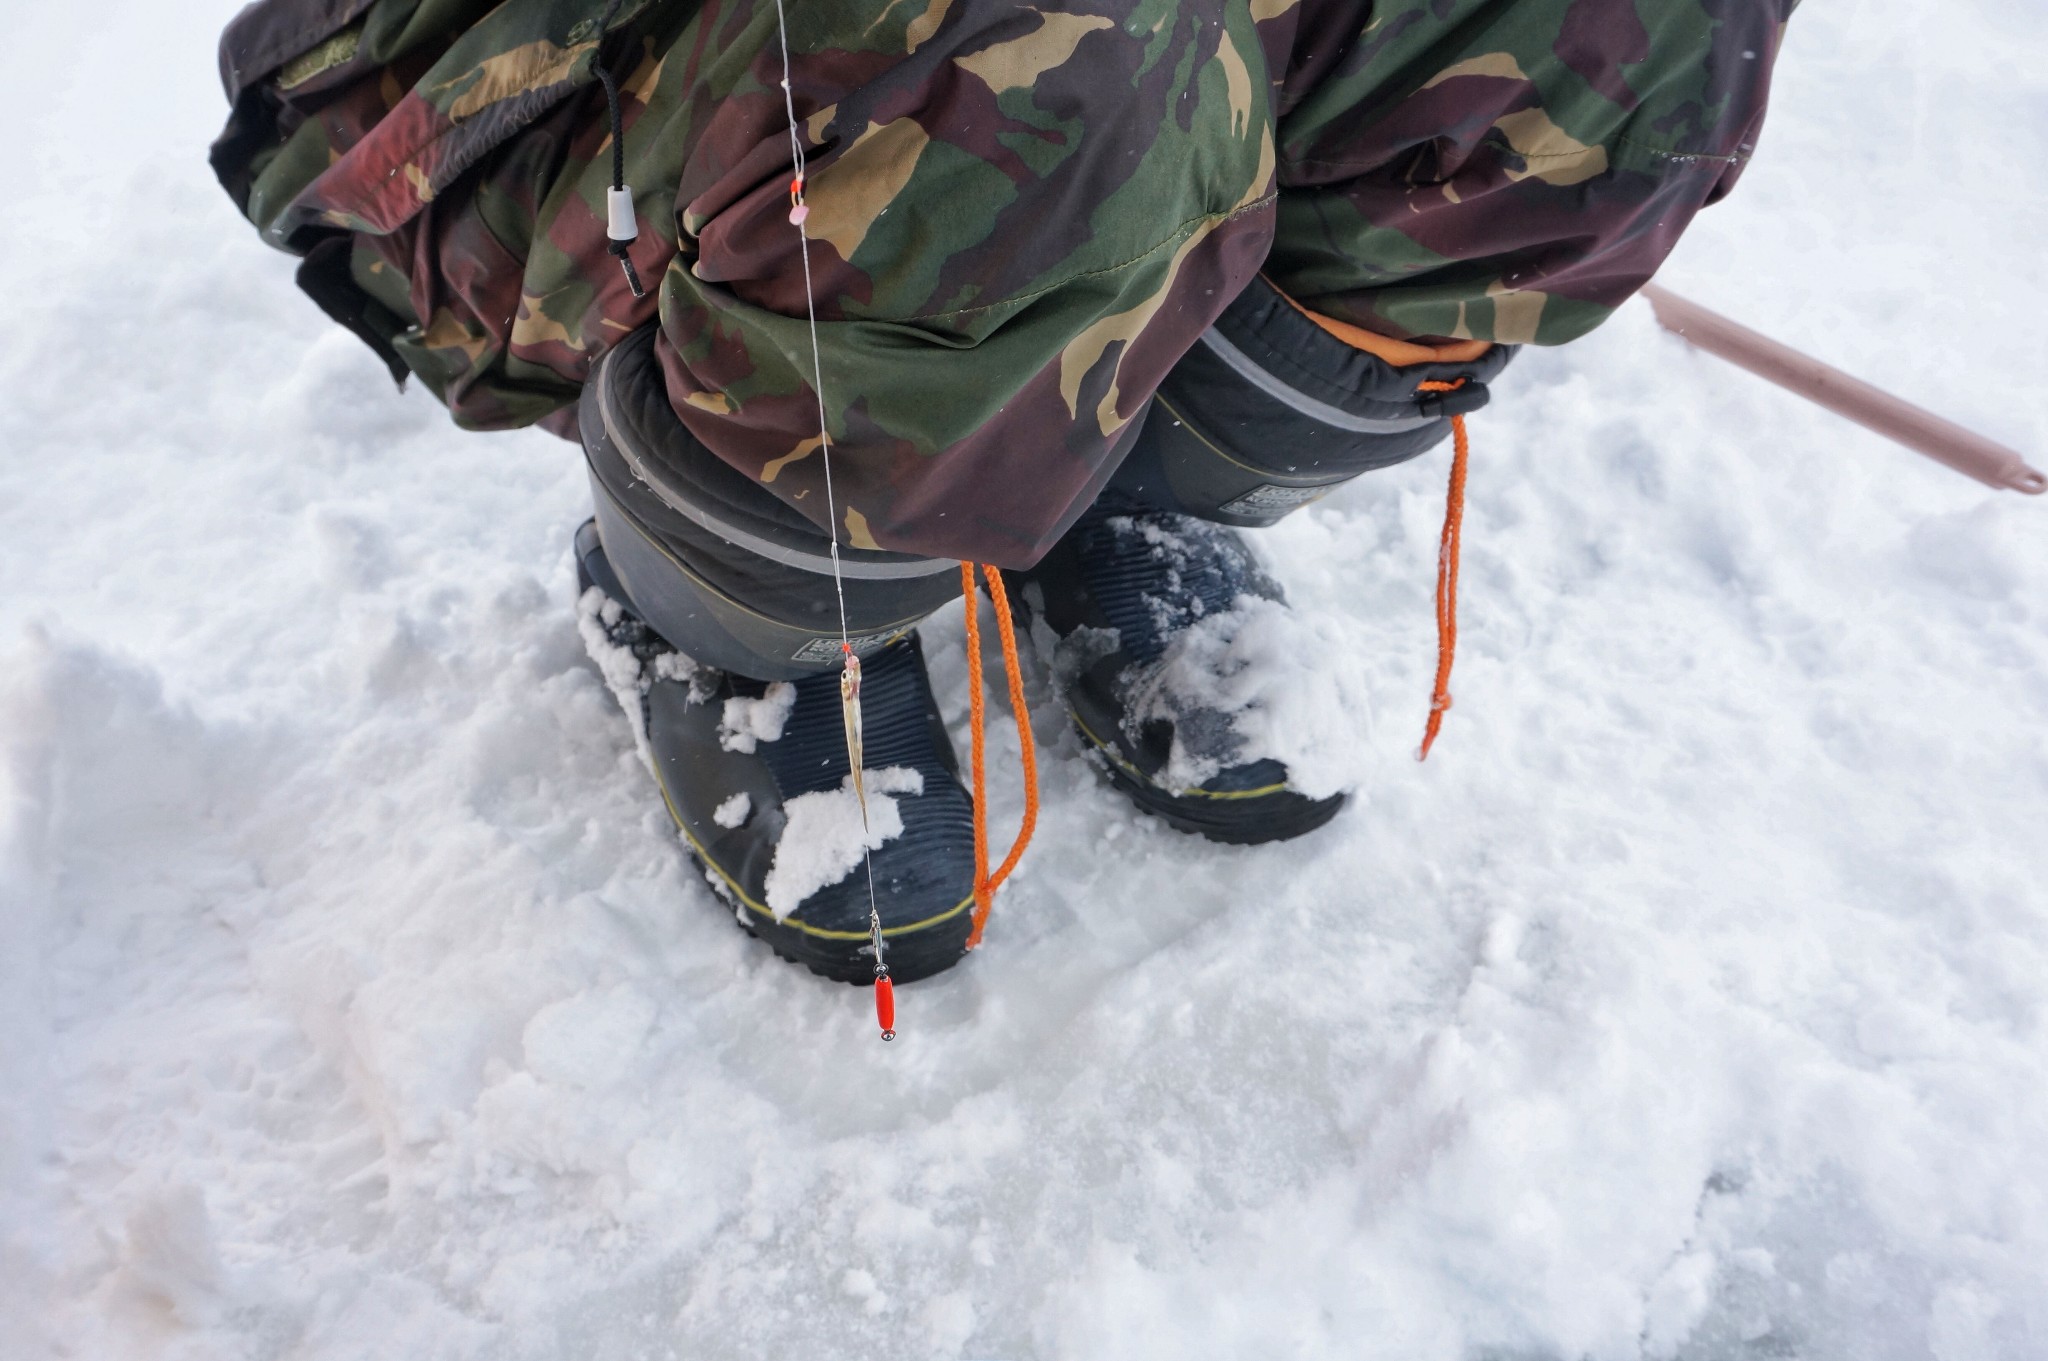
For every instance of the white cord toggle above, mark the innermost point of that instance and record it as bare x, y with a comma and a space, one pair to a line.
620, 225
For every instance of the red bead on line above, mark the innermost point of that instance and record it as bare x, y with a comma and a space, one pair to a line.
885, 1007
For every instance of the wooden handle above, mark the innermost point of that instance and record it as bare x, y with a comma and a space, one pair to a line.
1920, 430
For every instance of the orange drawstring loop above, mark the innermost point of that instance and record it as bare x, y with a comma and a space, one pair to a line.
986, 884
1447, 573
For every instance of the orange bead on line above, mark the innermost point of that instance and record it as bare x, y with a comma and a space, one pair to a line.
885, 1006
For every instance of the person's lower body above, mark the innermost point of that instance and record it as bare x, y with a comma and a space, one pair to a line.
1031, 281
691, 560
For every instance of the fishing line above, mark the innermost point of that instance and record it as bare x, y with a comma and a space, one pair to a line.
849, 678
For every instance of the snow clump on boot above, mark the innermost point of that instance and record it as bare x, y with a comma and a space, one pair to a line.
826, 838
749, 722
631, 657
1257, 681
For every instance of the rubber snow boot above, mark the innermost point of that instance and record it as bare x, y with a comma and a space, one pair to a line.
1120, 594
756, 777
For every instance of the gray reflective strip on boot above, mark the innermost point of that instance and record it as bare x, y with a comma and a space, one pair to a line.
1179, 466
678, 499
711, 627
1336, 417
711, 560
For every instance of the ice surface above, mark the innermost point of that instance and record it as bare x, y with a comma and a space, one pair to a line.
1690, 1002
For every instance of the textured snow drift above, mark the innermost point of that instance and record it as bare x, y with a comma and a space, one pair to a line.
356, 1001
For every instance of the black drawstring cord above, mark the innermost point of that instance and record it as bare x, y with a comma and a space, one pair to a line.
621, 226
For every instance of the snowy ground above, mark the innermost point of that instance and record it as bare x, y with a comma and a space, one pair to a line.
355, 1001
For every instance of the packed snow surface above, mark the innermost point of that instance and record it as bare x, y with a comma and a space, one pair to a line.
829, 834
357, 1001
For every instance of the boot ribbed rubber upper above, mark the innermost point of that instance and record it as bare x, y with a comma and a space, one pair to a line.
1152, 574
923, 878
1122, 585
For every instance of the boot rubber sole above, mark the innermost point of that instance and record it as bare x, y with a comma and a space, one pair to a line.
1235, 817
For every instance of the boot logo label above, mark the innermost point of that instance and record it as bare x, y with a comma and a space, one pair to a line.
826, 650
1273, 500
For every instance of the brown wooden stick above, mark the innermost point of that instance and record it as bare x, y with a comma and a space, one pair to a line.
1924, 432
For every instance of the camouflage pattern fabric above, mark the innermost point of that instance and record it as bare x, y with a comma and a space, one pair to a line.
1020, 218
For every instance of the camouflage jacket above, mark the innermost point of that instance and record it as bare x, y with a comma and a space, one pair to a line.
1019, 217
